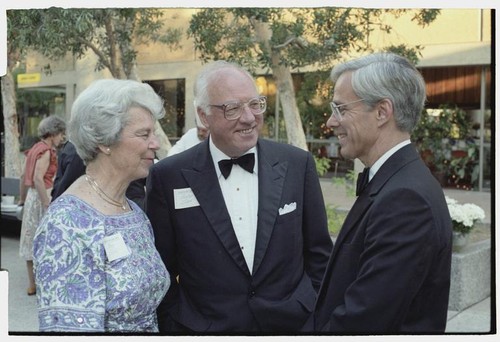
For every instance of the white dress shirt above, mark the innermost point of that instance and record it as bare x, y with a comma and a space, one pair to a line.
241, 194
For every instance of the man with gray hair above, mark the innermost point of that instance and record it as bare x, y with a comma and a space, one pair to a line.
389, 271
239, 221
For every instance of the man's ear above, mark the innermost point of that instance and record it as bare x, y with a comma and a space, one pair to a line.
385, 111
203, 117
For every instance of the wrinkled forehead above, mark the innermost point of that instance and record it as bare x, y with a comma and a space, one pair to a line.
231, 84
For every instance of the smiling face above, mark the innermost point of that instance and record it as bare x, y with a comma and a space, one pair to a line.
357, 131
233, 137
134, 153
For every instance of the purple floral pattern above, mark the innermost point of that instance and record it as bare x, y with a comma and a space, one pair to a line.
78, 289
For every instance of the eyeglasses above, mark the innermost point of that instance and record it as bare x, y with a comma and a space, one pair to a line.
339, 114
233, 110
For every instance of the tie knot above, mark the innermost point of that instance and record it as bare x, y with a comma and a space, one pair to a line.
246, 161
363, 179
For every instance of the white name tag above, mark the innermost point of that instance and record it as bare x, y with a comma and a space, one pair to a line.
185, 198
115, 247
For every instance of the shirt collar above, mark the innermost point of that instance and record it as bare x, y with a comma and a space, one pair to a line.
378, 164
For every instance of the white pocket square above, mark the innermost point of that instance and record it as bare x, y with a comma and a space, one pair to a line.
287, 208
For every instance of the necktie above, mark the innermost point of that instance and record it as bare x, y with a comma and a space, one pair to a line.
363, 178
246, 161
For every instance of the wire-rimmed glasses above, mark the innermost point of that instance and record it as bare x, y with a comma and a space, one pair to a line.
233, 110
339, 114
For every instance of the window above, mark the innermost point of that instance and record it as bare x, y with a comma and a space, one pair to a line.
173, 93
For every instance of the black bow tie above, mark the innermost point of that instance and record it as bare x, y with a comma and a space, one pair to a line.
363, 178
246, 161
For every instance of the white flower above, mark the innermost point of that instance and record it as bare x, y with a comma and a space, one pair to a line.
450, 200
465, 214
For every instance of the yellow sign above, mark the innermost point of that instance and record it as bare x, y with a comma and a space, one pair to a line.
29, 78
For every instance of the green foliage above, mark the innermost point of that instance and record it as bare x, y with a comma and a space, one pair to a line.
438, 136
466, 166
335, 220
435, 133
20, 30
322, 165
413, 54
282, 39
313, 101
302, 36
348, 182
425, 16
108, 32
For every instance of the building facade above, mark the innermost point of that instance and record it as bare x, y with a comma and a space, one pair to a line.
456, 63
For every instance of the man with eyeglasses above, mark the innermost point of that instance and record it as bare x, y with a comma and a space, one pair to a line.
239, 221
389, 271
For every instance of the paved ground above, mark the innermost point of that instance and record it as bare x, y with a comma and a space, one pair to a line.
22, 313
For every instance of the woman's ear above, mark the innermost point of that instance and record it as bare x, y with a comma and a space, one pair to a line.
105, 149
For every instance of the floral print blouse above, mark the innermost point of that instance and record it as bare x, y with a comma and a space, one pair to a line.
80, 288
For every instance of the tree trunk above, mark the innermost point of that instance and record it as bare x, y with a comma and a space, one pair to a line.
293, 122
12, 160
283, 78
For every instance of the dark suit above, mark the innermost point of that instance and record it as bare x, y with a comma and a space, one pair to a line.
216, 292
389, 271
69, 168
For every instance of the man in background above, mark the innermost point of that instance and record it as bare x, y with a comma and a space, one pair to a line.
192, 137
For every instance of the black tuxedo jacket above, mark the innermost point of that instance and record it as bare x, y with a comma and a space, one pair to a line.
69, 168
215, 290
389, 271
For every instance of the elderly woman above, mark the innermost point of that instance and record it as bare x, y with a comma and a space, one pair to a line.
36, 184
96, 266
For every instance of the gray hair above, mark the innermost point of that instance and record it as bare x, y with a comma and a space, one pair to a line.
387, 76
210, 75
101, 111
51, 126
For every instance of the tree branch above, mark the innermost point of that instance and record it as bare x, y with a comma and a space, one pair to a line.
112, 46
96, 50
285, 44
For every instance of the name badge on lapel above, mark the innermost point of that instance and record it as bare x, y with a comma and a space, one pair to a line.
185, 198
115, 247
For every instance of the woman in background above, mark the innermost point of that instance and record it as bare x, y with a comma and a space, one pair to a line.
96, 265
36, 184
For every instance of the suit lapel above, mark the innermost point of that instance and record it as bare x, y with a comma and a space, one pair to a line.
271, 174
202, 180
399, 159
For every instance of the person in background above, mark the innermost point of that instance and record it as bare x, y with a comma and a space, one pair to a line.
36, 184
192, 137
389, 271
71, 167
96, 266
247, 244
